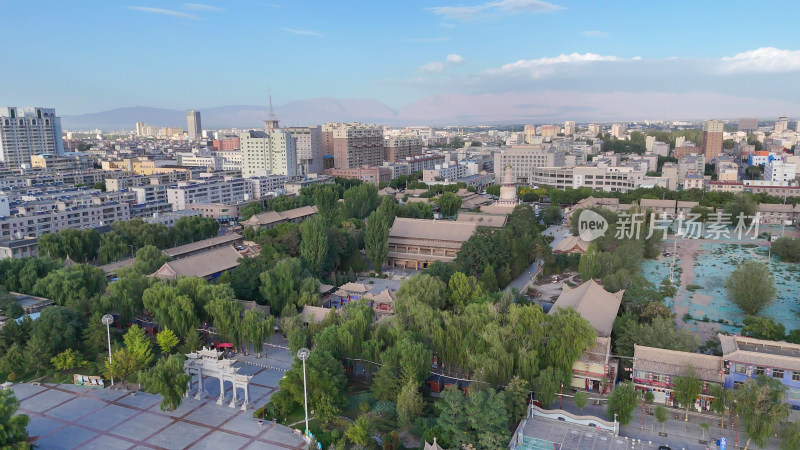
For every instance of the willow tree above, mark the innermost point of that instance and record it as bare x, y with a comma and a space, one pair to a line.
226, 316
314, 244
168, 379
256, 329
761, 403
376, 239
567, 336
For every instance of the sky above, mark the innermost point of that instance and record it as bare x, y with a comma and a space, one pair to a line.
425, 59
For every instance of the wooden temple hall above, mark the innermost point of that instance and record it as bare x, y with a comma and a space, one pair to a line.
416, 243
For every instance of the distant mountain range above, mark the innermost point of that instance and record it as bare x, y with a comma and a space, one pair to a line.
303, 112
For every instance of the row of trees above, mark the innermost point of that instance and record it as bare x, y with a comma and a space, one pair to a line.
126, 236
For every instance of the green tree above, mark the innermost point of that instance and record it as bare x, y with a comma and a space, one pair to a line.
94, 334
67, 359
662, 415
168, 379
548, 384
326, 199
622, 402
761, 403
149, 259
463, 290
138, 344
516, 398
360, 431
251, 209
72, 285
551, 215
489, 280
361, 200
279, 286
124, 296
376, 239
12, 425
581, 399
122, 364
256, 329
314, 244
787, 248
751, 286
112, 248
763, 328
687, 387
568, 335
171, 309
488, 418
744, 206
453, 416
226, 315
449, 204
167, 340
409, 404
723, 401
790, 435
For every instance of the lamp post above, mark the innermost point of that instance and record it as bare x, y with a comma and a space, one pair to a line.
132, 254
303, 354
107, 320
615, 424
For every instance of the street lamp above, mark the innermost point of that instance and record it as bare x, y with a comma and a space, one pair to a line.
132, 254
303, 354
108, 319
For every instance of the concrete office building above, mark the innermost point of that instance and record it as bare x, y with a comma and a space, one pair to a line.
398, 148
25, 132
618, 131
308, 145
26, 223
193, 124
594, 129
353, 145
748, 125
777, 170
660, 149
712, 138
530, 133
268, 154
550, 131
523, 159
782, 125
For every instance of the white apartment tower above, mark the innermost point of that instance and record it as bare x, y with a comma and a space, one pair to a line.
309, 149
782, 125
569, 128
268, 154
193, 125
618, 131
28, 131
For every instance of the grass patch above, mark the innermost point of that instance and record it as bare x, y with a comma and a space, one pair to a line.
693, 287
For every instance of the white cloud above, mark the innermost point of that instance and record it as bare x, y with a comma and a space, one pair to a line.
202, 7
428, 40
765, 59
454, 59
543, 66
164, 12
432, 67
302, 32
501, 7
594, 33
439, 66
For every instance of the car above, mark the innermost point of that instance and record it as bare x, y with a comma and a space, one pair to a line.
664, 447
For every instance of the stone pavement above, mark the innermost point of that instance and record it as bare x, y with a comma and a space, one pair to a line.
68, 416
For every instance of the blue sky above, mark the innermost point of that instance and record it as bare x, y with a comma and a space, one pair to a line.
421, 57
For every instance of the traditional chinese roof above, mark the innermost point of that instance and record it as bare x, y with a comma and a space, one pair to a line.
439, 230
216, 241
483, 220
275, 217
593, 303
384, 296
355, 288
201, 265
760, 352
673, 362
314, 314
570, 243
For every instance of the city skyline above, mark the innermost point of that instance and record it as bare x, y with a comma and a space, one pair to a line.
443, 62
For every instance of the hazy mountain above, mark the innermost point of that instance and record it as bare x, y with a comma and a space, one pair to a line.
302, 112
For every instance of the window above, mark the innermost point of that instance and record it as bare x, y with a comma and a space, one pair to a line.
741, 368
777, 373
759, 370
795, 376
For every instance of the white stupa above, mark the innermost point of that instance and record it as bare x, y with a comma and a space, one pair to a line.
508, 196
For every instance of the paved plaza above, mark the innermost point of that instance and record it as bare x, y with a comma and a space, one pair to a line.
67, 416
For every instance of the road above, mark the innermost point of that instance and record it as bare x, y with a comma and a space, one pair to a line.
558, 233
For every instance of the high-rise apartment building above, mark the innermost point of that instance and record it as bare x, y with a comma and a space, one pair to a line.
309, 149
618, 131
550, 130
782, 125
523, 159
28, 131
712, 138
268, 154
649, 141
141, 129
530, 133
398, 148
569, 128
594, 129
353, 144
193, 124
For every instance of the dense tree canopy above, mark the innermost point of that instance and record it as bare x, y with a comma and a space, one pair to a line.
751, 286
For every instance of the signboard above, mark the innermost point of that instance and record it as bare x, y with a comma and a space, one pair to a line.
723, 443
87, 380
